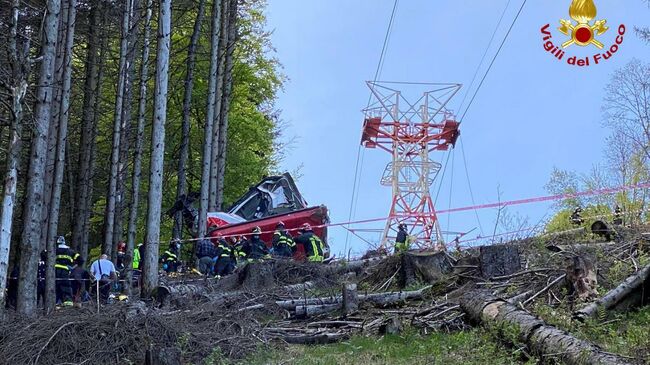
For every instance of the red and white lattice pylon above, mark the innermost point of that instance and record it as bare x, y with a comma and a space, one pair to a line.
410, 130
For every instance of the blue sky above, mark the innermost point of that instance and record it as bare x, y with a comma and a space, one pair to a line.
532, 113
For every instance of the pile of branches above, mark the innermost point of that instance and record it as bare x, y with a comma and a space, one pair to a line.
127, 334
331, 327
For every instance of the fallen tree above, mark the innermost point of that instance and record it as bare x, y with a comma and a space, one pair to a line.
617, 296
542, 339
308, 307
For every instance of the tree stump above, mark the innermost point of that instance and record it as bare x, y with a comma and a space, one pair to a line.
583, 279
499, 260
393, 326
429, 267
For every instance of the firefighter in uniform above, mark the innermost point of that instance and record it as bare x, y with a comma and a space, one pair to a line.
283, 245
169, 258
576, 217
254, 247
312, 243
618, 218
65, 261
225, 259
402, 242
238, 249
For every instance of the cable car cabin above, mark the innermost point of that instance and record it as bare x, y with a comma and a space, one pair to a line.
370, 132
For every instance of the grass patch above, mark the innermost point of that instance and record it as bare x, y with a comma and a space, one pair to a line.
468, 347
625, 334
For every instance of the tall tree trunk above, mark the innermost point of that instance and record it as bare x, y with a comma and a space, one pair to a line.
18, 91
209, 119
64, 109
70, 176
55, 115
225, 104
137, 154
150, 274
120, 202
87, 125
221, 55
29, 254
109, 216
85, 232
181, 187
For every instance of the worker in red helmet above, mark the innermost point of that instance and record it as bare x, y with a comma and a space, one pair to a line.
313, 245
283, 245
121, 254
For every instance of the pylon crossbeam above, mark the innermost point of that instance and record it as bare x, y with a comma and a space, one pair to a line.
409, 131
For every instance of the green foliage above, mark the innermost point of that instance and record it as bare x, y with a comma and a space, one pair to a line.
253, 144
561, 221
471, 347
216, 358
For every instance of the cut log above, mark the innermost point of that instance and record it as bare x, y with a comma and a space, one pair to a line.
293, 303
499, 260
581, 247
601, 229
543, 340
315, 310
166, 294
380, 299
350, 299
358, 264
392, 298
612, 299
316, 339
300, 287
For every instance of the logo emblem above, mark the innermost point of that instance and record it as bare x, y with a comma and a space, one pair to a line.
584, 32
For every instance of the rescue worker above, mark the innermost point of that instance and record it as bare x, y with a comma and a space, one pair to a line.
283, 245
105, 274
137, 256
138, 263
576, 218
169, 259
618, 218
80, 283
225, 258
313, 245
402, 242
205, 252
255, 248
237, 243
121, 253
65, 258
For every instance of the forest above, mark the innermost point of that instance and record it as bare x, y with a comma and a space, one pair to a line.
110, 110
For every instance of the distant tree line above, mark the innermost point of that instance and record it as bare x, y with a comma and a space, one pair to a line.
626, 162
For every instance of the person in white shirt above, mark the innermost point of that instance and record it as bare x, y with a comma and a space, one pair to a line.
104, 272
